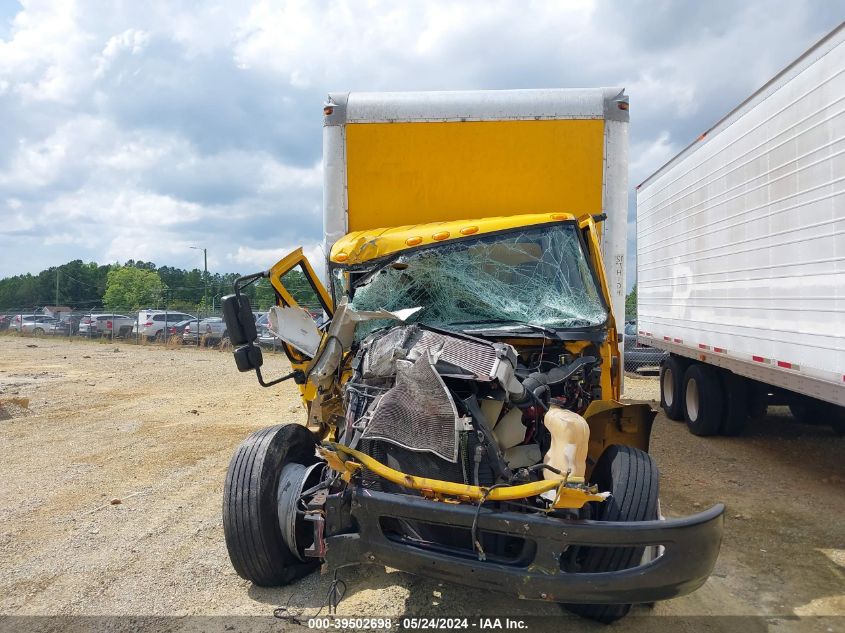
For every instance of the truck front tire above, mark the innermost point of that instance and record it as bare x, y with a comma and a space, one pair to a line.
632, 478
250, 516
703, 400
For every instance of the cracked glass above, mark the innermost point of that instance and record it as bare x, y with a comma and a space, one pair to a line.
537, 276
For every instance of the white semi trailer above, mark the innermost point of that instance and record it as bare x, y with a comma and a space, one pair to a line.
741, 256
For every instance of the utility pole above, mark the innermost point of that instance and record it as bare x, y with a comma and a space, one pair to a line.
57, 286
204, 274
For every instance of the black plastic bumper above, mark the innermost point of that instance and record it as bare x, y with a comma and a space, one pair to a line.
691, 547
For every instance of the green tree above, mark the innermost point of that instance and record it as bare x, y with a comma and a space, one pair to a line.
130, 288
631, 304
264, 297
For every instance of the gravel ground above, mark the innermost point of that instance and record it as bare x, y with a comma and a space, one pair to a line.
154, 428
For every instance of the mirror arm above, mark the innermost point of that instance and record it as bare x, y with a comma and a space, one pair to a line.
242, 282
297, 375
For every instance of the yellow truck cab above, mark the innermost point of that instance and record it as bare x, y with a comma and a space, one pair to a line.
462, 383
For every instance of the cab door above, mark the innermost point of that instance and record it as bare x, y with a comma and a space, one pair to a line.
297, 285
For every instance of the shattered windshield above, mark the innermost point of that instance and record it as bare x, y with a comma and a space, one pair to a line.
537, 276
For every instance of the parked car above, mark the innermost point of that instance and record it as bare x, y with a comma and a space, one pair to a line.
70, 322
105, 324
19, 319
39, 325
265, 337
87, 326
5, 321
178, 329
209, 330
639, 357
154, 324
117, 325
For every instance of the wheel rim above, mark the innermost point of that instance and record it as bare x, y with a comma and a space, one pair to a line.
668, 391
293, 479
692, 400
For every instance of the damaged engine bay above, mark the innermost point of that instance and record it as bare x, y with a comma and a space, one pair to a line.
432, 402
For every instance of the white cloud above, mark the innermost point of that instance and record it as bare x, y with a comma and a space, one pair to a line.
44, 60
130, 41
135, 130
256, 259
649, 155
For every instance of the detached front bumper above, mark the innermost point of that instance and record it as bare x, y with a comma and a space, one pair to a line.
691, 546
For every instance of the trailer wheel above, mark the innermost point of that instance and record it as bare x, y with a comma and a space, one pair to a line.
250, 516
703, 400
632, 478
735, 389
671, 387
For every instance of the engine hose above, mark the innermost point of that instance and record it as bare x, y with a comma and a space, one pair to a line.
539, 383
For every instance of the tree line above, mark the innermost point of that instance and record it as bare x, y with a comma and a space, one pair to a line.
135, 284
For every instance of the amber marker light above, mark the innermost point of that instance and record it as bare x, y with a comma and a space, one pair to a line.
440, 235
413, 241
469, 230
341, 257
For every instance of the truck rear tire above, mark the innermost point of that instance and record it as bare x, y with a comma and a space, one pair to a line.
703, 400
633, 480
735, 390
250, 516
671, 387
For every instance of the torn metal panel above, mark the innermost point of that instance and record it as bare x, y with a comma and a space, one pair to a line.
295, 326
341, 334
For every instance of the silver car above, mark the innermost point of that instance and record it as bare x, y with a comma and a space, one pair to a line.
211, 330
41, 325
265, 337
155, 324
19, 319
105, 324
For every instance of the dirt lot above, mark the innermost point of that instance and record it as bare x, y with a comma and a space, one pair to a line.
155, 428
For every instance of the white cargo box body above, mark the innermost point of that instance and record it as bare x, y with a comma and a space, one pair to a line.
741, 237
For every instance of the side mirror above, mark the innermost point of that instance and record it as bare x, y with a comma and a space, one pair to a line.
240, 322
248, 357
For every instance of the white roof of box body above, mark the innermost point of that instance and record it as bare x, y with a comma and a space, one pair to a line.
476, 105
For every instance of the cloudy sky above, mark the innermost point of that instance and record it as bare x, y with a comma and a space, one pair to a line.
134, 130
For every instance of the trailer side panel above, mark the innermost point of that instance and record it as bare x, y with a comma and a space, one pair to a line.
741, 238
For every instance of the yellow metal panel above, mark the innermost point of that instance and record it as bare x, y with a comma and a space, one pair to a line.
362, 246
414, 173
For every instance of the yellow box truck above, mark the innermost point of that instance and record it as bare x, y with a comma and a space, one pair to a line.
463, 375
